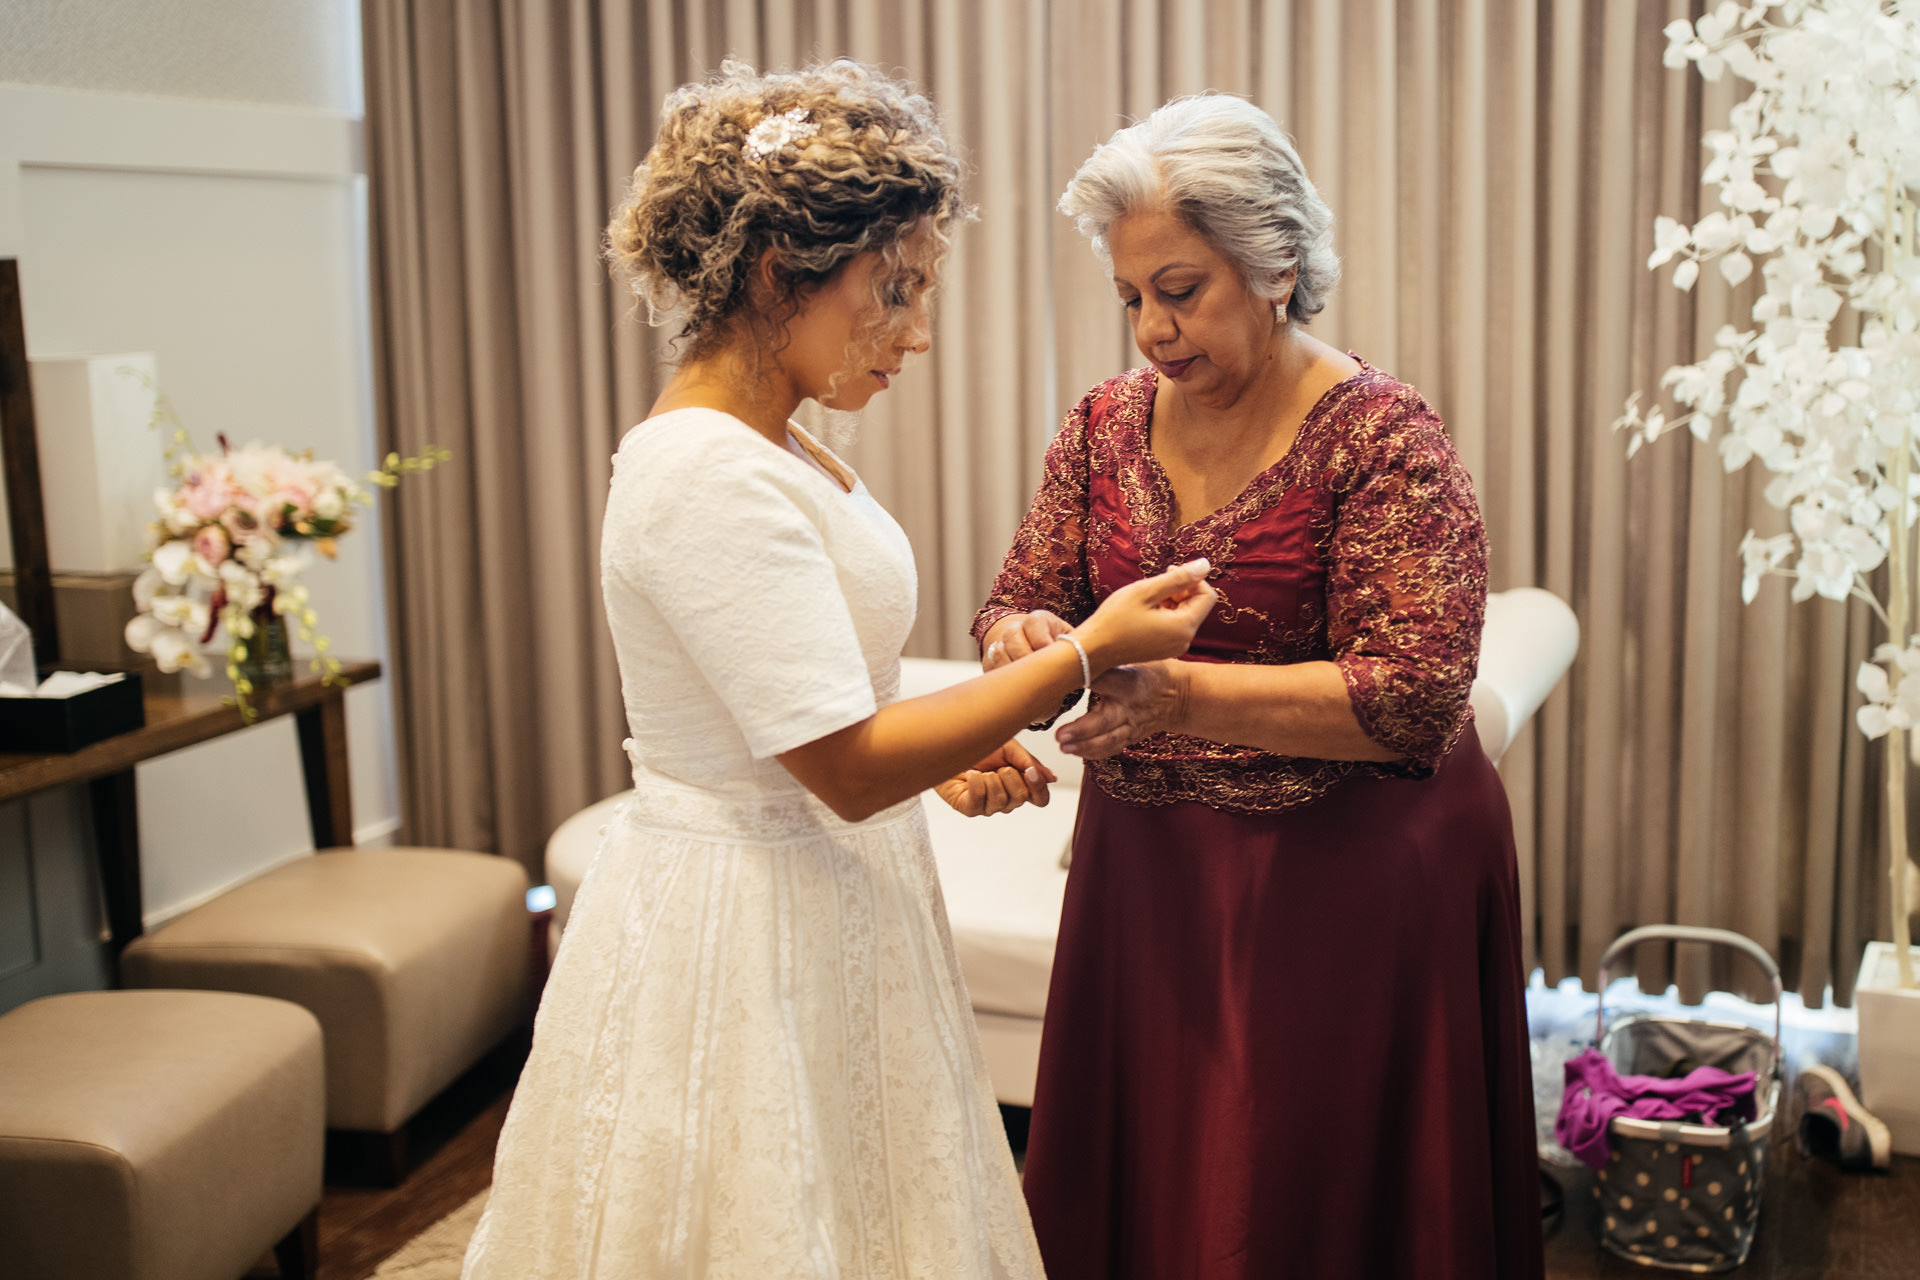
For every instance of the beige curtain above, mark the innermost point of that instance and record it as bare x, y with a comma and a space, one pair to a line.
1494, 167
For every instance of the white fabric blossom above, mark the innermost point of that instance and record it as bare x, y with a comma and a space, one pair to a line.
778, 132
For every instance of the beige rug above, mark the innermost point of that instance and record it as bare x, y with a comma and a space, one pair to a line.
435, 1253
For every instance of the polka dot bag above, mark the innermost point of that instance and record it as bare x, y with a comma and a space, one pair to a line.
1675, 1195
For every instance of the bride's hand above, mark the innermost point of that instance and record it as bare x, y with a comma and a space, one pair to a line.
1001, 783
1150, 619
1021, 635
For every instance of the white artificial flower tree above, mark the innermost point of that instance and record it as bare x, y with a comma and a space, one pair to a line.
1834, 121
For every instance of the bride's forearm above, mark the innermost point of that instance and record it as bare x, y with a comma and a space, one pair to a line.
1301, 709
911, 745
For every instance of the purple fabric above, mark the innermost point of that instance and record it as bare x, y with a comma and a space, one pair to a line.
1596, 1094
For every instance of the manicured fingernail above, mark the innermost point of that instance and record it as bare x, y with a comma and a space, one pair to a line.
1033, 775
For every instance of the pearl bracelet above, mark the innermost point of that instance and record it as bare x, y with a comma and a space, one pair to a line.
1072, 699
1086, 667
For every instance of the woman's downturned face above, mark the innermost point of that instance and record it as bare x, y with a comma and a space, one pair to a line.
1190, 309
851, 335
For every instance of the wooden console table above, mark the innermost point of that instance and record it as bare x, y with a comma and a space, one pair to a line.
193, 715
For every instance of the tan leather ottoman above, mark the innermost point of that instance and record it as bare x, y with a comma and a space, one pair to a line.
413, 960
158, 1135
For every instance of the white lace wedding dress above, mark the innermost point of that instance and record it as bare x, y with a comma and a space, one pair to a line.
755, 1056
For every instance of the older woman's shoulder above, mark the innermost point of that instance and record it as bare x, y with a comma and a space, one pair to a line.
1127, 395
1374, 396
1378, 422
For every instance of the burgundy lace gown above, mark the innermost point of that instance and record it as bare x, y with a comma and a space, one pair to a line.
1286, 1033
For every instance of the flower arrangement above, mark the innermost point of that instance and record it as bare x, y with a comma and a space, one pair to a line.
233, 537
1816, 180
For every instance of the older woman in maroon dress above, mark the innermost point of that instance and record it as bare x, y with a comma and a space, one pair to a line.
1286, 1034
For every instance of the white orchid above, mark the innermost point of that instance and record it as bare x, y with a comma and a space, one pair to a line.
177, 611
145, 587
175, 650
172, 648
174, 560
1819, 165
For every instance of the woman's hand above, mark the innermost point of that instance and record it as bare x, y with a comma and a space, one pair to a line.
1150, 619
1001, 783
1016, 637
1134, 702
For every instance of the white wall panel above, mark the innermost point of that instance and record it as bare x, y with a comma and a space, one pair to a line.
246, 290
303, 53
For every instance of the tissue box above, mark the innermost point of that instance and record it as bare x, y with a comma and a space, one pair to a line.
67, 724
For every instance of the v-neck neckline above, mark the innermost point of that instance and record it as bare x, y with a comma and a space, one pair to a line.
823, 458
1260, 484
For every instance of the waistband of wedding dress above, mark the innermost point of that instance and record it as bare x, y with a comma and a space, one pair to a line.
743, 812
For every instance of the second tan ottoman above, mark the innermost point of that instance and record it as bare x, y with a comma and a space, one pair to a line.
413, 960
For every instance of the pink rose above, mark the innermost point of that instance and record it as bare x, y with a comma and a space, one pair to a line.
207, 494
273, 508
241, 525
212, 544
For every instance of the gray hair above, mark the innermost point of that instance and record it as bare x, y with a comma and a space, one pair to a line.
1222, 166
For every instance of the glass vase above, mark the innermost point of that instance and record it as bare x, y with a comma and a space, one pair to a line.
269, 652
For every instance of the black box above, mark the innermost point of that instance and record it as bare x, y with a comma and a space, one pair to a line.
65, 725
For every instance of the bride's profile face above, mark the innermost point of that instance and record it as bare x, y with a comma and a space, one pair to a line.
851, 336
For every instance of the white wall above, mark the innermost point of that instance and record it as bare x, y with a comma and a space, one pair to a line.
221, 226
289, 53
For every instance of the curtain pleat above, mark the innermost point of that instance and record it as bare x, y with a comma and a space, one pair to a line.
1494, 167
1511, 487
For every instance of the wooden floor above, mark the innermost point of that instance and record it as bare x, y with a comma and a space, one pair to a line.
1816, 1223
453, 1141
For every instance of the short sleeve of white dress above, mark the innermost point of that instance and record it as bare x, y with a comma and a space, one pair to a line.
725, 534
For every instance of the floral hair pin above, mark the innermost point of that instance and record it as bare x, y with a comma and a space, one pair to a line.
776, 133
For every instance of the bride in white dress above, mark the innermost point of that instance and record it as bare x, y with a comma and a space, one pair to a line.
755, 1056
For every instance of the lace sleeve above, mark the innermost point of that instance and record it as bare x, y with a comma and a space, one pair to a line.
1046, 568
1408, 590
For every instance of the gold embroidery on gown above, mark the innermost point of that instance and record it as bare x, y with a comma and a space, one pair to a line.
1362, 546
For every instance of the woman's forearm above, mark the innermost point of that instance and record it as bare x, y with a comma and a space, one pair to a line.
909, 746
1301, 709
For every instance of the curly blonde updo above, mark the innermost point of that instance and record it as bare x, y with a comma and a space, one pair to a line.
703, 209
